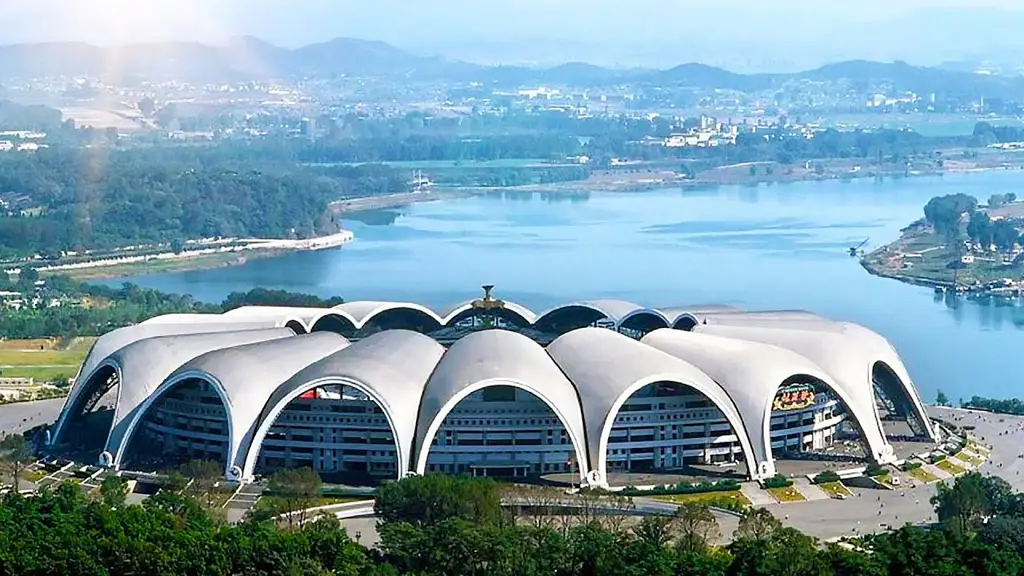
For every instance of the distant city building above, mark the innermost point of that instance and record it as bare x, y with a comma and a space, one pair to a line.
308, 128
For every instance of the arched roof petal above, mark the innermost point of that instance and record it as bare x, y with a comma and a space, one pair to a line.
144, 365
390, 367
363, 311
614, 310
180, 318
304, 316
761, 317
846, 360
246, 377
674, 313
607, 368
751, 373
497, 357
116, 339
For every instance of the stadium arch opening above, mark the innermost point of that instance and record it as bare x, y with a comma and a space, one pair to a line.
809, 419
336, 426
637, 324
296, 326
502, 428
685, 322
335, 322
568, 318
187, 418
399, 317
90, 413
667, 425
901, 419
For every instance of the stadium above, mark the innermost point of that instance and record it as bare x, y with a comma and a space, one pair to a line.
588, 390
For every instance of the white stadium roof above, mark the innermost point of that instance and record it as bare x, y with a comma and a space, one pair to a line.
255, 360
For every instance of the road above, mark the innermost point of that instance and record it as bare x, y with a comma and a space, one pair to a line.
21, 416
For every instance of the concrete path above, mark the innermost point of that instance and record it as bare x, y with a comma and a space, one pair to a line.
810, 491
756, 495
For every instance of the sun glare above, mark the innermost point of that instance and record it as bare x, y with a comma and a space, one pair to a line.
113, 22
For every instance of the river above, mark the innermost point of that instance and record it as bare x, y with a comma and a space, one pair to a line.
753, 247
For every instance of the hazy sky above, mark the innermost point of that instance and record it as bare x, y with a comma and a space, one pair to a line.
455, 24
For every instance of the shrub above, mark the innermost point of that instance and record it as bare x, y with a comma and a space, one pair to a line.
777, 481
827, 476
875, 470
908, 466
936, 458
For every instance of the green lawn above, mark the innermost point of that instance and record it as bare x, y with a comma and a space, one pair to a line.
41, 359
734, 499
834, 489
277, 503
923, 475
950, 467
788, 494
972, 460
885, 479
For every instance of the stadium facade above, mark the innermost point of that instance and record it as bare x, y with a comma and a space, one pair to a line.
490, 388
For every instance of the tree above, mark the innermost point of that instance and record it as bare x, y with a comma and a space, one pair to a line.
996, 200
203, 477
147, 106
967, 501
697, 526
758, 524
114, 491
425, 500
944, 212
656, 531
15, 454
296, 489
941, 400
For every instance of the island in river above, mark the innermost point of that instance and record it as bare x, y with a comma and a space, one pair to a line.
973, 249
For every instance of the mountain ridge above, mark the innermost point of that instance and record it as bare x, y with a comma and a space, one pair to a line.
250, 58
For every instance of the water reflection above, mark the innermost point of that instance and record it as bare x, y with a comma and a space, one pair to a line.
993, 312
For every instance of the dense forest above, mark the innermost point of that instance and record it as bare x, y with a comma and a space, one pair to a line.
74, 198
112, 308
437, 525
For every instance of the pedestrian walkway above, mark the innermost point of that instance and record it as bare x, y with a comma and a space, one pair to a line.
756, 495
242, 501
809, 491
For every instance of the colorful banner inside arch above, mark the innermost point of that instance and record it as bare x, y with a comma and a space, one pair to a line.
795, 397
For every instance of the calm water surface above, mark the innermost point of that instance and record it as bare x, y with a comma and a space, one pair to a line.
765, 247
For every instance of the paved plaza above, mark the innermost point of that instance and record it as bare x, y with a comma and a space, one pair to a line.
873, 510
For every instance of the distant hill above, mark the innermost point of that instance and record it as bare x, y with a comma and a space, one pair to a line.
251, 58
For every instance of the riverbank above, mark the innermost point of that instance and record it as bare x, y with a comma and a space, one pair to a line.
234, 253
645, 177
921, 257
